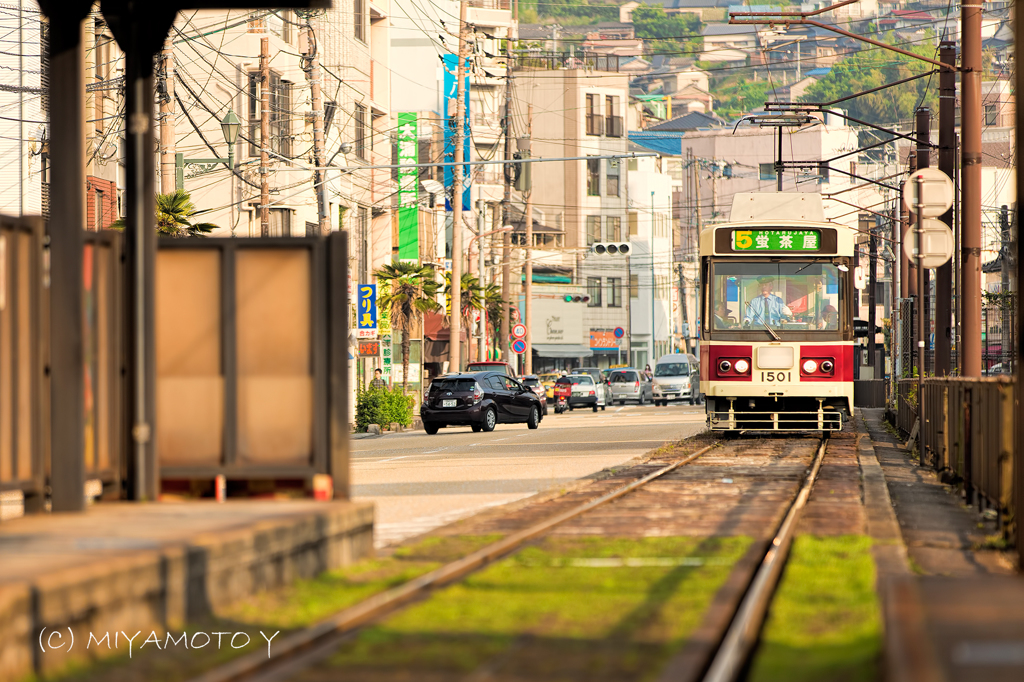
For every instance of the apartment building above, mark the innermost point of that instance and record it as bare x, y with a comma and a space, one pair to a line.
578, 111
22, 129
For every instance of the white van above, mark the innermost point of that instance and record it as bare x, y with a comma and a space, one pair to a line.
676, 377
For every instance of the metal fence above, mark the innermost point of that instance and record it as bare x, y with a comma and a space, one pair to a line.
586, 61
998, 347
22, 441
967, 430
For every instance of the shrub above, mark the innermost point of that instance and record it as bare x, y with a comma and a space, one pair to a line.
382, 406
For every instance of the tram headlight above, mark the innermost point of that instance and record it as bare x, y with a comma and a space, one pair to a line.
724, 366
810, 366
742, 366
827, 366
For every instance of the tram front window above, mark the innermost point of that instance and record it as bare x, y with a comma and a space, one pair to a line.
786, 296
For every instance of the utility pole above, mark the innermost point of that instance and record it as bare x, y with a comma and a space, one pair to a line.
455, 328
872, 303
908, 271
506, 237
654, 279
528, 288
923, 157
264, 137
970, 181
312, 69
1004, 283
947, 160
167, 142
481, 210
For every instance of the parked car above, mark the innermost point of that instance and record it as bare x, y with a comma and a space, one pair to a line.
997, 369
597, 374
499, 366
676, 377
547, 380
532, 382
583, 391
630, 384
481, 400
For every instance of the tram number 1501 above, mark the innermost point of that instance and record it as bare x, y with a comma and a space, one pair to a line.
776, 376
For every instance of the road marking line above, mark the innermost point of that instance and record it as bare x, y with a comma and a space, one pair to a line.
392, 459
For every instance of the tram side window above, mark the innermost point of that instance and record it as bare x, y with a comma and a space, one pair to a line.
790, 296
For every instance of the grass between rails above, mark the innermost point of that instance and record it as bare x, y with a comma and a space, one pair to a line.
297, 605
825, 621
539, 615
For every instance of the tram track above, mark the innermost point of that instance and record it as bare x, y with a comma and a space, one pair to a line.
734, 637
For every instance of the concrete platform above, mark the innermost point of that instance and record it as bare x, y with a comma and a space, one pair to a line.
959, 615
126, 566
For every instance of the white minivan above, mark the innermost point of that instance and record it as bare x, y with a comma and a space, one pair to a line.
676, 377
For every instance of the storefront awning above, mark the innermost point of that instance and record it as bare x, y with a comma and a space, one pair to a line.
560, 350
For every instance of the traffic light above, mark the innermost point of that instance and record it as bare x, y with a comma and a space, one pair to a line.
575, 298
611, 248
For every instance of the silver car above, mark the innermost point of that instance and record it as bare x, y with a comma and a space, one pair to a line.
630, 384
676, 377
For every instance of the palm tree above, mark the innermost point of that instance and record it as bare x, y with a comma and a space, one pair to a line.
174, 214
410, 293
496, 306
470, 299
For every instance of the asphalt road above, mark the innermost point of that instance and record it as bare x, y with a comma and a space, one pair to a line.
420, 482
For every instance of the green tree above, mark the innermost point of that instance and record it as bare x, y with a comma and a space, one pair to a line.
410, 293
874, 67
495, 306
174, 215
664, 32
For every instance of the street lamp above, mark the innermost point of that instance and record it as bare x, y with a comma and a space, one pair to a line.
229, 126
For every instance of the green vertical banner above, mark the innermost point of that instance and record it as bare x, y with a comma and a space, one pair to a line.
408, 188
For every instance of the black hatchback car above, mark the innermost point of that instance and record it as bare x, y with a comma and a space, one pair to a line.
479, 399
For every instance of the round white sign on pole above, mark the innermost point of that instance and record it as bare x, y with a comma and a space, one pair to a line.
936, 189
518, 331
937, 239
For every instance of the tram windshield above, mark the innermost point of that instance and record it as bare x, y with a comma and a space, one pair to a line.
788, 296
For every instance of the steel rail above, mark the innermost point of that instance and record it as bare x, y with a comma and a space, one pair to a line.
349, 619
743, 632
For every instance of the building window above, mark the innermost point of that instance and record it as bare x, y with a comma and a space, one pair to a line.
634, 286
611, 183
593, 177
593, 229
359, 19
361, 142
614, 292
991, 114
766, 171
280, 222
612, 121
634, 224
613, 228
280, 114
99, 211
594, 292
595, 122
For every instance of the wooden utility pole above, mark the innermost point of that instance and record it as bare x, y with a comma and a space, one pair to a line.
455, 328
528, 286
167, 143
320, 176
264, 137
506, 237
947, 163
970, 181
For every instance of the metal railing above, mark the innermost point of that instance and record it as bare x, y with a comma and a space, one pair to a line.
968, 431
537, 59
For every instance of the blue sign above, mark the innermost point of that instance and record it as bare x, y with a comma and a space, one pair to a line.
519, 346
451, 63
619, 332
366, 314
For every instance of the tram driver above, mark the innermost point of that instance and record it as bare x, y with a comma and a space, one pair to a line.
767, 307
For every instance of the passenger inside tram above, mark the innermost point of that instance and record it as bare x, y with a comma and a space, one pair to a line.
787, 296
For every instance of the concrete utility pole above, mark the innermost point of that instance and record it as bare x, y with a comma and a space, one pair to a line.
908, 271
923, 157
872, 302
264, 137
167, 142
506, 237
970, 181
654, 279
1004, 283
947, 161
1018, 449
528, 287
455, 328
320, 176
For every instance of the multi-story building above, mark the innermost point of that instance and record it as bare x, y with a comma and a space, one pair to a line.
578, 112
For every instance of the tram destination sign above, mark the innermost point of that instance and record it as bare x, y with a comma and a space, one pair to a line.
776, 240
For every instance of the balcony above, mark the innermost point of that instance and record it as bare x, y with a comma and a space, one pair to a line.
490, 4
586, 61
595, 124
613, 126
